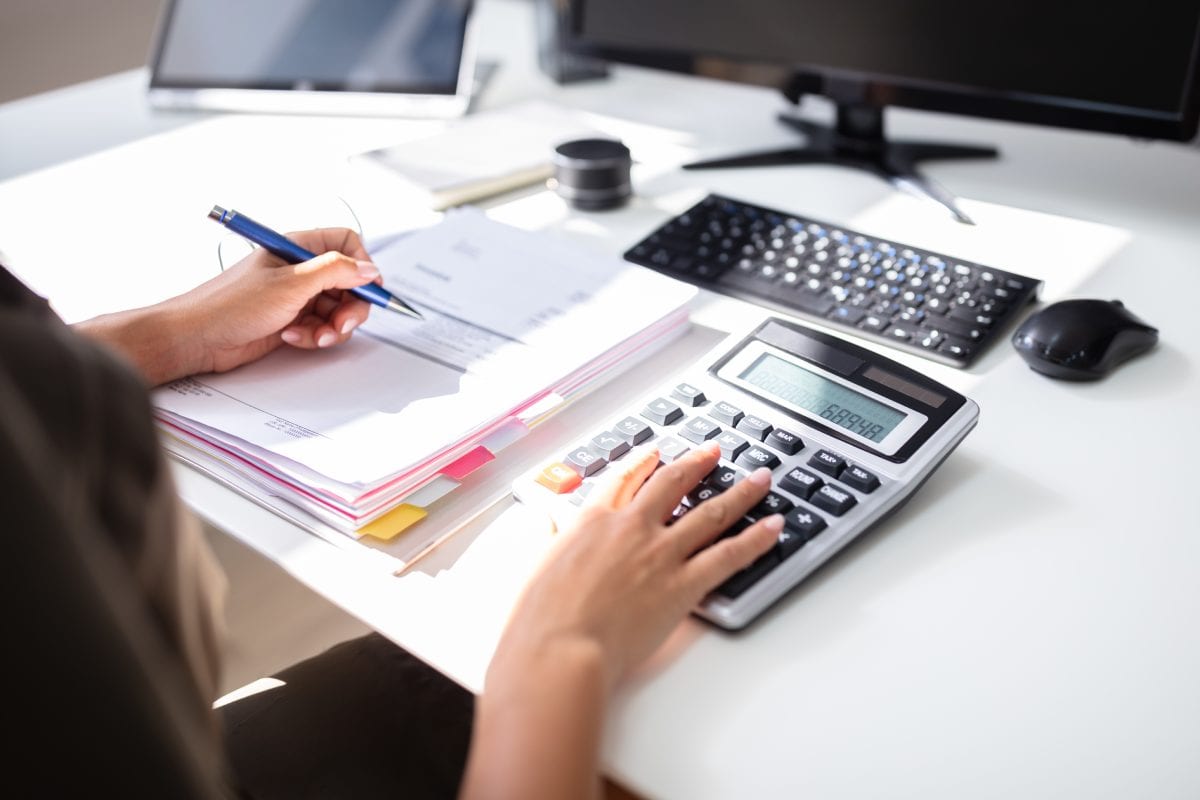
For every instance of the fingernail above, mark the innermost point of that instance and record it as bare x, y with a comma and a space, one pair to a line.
367, 270
349, 325
291, 337
760, 477
327, 338
712, 447
773, 523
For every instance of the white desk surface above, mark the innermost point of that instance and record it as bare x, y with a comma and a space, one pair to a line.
1023, 628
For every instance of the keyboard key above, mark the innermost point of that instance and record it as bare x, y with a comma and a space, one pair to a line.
860, 479
756, 457
804, 522
785, 441
559, 478
724, 412
873, 322
670, 449
848, 314
957, 327
633, 430
585, 460
689, 395
800, 482
722, 478
827, 462
834, 500
609, 445
817, 305
955, 347
662, 411
754, 427
700, 430
773, 503
732, 445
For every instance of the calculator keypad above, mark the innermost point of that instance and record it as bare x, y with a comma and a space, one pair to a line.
812, 484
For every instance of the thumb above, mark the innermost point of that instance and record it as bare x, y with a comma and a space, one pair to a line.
333, 270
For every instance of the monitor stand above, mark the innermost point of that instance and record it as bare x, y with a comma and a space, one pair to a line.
857, 140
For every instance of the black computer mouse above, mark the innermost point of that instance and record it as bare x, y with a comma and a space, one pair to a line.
1082, 340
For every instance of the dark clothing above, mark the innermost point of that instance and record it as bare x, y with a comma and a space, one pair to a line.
364, 719
112, 605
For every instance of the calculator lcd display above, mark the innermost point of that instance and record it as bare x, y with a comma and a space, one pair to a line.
832, 402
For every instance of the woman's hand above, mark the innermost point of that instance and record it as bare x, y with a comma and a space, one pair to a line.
247, 311
621, 578
614, 586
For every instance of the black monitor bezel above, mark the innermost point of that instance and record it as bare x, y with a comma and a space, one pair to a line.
889, 90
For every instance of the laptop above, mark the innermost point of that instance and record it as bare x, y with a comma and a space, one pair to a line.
362, 57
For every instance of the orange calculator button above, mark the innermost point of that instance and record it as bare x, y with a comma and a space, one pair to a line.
559, 478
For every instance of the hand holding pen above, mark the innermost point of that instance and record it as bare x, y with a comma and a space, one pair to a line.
293, 253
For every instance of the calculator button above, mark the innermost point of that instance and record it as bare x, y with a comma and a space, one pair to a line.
833, 500
804, 522
609, 445
754, 427
790, 540
860, 479
700, 430
741, 581
585, 460
732, 445
756, 457
559, 478
662, 411
701, 493
670, 449
723, 478
689, 395
580, 494
633, 430
785, 441
729, 414
800, 482
773, 503
827, 462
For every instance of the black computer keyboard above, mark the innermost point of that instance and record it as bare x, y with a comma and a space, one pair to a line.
938, 306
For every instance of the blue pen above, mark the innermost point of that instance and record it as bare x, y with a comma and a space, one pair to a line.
293, 253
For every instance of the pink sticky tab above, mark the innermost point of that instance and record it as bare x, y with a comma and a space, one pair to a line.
468, 463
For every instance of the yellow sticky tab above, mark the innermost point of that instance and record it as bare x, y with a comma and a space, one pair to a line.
394, 522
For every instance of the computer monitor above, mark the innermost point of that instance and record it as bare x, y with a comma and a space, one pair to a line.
1120, 67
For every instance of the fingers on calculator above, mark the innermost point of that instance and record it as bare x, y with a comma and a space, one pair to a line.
718, 516
665, 489
618, 489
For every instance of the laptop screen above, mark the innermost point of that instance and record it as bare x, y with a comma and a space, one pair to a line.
405, 46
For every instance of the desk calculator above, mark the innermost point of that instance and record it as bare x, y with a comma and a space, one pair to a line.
849, 436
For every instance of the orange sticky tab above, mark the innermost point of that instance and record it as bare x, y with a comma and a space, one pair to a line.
559, 478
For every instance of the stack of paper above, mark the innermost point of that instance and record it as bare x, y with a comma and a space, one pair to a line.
360, 438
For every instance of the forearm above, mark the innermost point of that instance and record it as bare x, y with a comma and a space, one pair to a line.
153, 338
538, 727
